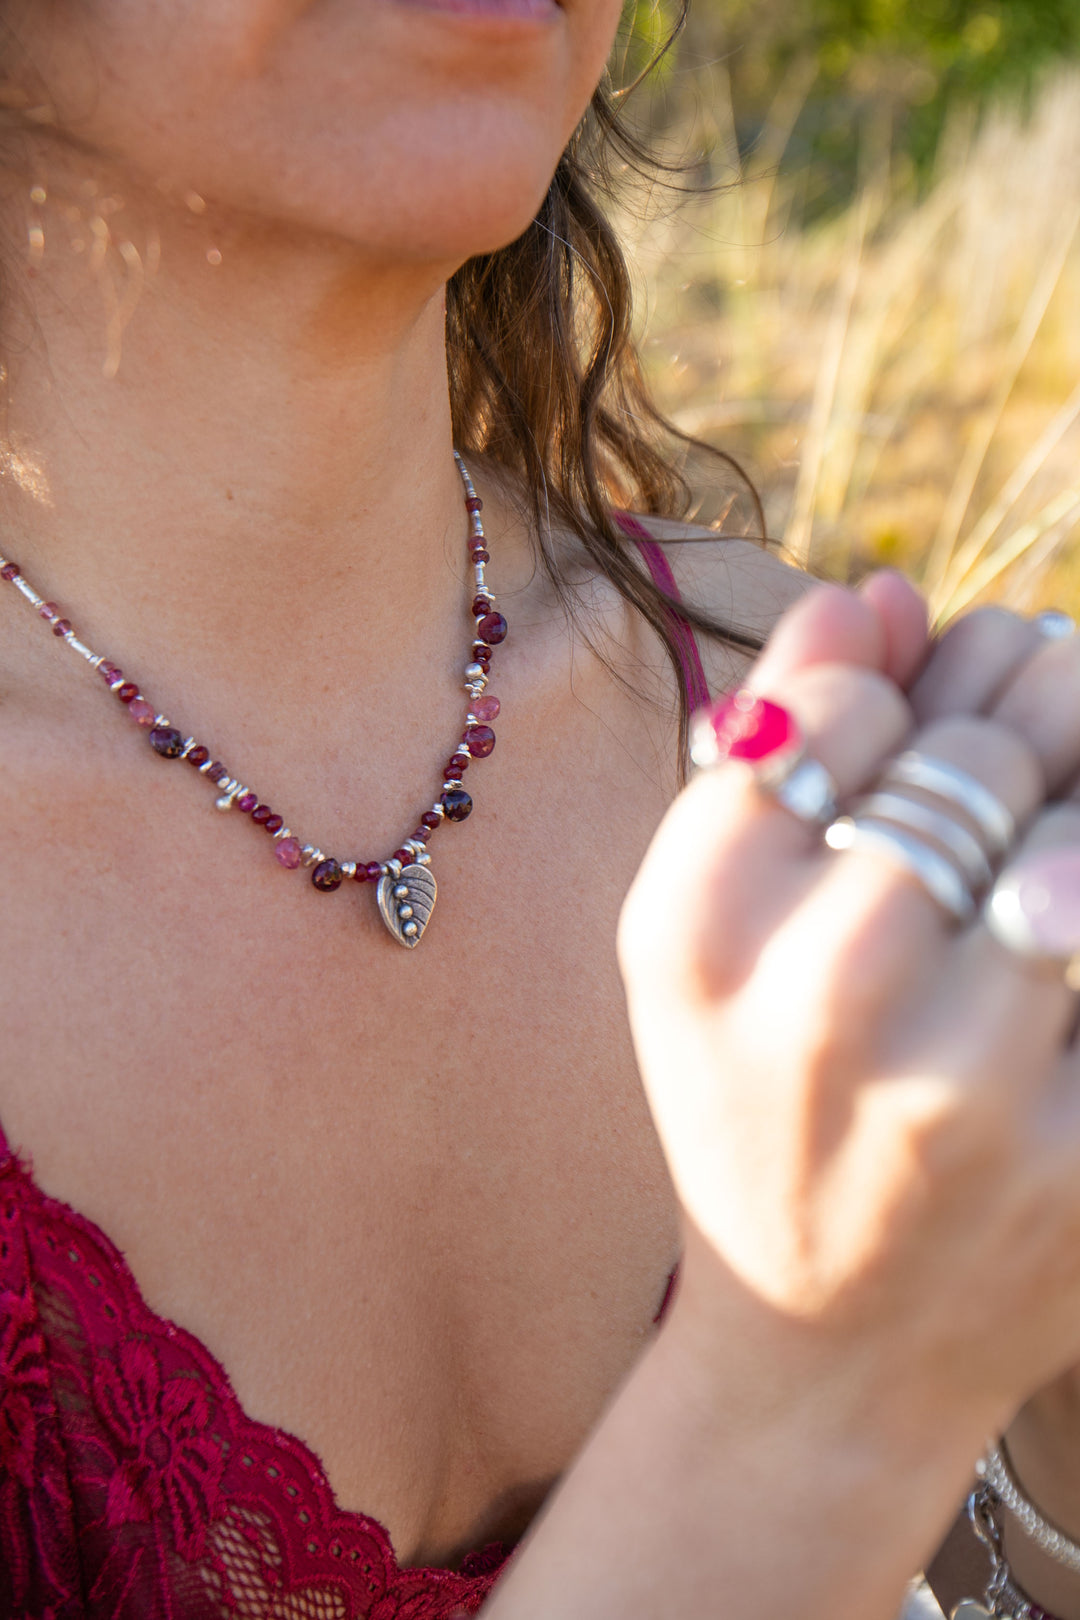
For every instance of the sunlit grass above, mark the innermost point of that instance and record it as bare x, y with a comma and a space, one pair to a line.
903, 381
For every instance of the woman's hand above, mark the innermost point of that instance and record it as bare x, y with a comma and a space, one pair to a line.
873, 1121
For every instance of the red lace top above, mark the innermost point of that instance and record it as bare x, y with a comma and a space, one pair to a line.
133, 1486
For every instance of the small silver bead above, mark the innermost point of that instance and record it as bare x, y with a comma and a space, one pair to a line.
311, 856
410, 928
224, 803
282, 832
404, 912
437, 810
349, 868
474, 672
401, 891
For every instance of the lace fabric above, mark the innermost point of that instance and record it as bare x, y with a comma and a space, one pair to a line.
133, 1486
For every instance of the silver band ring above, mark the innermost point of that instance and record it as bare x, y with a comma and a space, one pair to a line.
925, 822
935, 872
994, 819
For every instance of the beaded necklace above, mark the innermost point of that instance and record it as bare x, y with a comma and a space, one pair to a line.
405, 888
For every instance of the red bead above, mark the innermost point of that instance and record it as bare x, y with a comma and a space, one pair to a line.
473, 503
273, 824
49, 610
216, 772
261, 814
479, 740
430, 820
247, 802
480, 606
198, 756
493, 628
457, 804
404, 856
361, 873
109, 672
327, 876
61, 627
166, 741
9, 571
374, 871
480, 554
420, 834
128, 691
454, 772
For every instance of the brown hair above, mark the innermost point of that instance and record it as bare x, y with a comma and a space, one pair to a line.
545, 377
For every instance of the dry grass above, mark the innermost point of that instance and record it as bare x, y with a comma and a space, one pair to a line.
903, 381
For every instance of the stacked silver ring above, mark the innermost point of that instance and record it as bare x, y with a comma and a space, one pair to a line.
935, 820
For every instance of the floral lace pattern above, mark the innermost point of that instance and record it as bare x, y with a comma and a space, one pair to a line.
132, 1484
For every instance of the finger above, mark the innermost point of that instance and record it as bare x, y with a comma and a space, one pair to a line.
972, 663
1041, 702
1022, 1006
827, 625
727, 862
878, 932
902, 611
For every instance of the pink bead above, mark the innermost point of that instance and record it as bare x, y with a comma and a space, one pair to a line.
142, 712
109, 672
487, 708
49, 610
9, 571
287, 851
743, 727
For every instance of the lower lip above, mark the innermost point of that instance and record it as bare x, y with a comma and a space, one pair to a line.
527, 12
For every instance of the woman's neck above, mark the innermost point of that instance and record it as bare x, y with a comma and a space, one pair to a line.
267, 479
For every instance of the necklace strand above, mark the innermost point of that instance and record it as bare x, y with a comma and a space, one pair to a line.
405, 887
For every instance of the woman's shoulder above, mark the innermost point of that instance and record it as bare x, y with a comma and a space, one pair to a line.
744, 585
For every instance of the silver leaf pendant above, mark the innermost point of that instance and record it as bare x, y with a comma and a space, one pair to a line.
406, 903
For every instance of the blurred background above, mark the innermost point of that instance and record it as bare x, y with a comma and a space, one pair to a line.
864, 282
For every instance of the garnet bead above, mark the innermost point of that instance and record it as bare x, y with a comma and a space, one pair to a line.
480, 740
374, 871
109, 672
453, 772
273, 824
261, 814
327, 876
9, 571
405, 856
216, 772
473, 503
430, 820
199, 755
247, 802
127, 692
480, 554
493, 628
166, 741
420, 834
360, 875
457, 804
61, 627
480, 606
288, 852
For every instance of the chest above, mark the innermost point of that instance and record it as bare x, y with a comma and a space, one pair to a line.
411, 1200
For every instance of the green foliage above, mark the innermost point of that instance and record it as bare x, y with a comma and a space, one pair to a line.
898, 66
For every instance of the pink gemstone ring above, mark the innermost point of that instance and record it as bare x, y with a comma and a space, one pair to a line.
1034, 909
767, 738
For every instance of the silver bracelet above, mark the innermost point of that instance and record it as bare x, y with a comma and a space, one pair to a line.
996, 1470
1003, 1598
